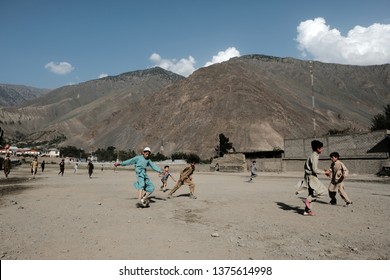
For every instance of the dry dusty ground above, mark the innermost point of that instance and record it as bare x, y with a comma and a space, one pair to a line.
74, 217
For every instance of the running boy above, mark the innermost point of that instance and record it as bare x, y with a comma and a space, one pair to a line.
7, 166
338, 173
34, 166
164, 178
143, 185
253, 170
314, 185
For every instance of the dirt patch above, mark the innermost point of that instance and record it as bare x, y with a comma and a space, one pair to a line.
14, 189
12, 186
10, 181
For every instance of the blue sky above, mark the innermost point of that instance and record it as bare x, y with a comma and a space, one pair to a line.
49, 44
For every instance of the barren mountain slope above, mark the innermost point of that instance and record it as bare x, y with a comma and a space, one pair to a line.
14, 95
255, 100
74, 110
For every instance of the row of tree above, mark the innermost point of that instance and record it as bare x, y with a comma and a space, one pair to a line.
111, 153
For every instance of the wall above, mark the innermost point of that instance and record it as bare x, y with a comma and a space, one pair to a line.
348, 146
352, 149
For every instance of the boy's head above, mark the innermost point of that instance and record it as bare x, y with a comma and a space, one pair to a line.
146, 152
166, 167
334, 156
317, 146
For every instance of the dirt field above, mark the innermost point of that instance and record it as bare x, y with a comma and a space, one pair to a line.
75, 217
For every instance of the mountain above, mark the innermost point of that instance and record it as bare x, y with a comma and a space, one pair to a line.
73, 111
256, 101
14, 95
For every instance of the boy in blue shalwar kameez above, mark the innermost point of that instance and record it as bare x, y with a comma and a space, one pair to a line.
143, 184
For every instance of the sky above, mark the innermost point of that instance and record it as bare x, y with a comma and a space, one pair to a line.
50, 44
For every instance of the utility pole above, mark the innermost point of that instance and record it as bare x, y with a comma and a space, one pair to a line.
218, 145
312, 98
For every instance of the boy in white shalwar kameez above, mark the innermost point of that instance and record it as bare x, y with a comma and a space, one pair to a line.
314, 185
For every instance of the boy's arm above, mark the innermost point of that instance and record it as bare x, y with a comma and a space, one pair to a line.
185, 173
129, 161
345, 170
155, 167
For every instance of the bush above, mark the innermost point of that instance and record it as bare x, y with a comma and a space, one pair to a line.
381, 121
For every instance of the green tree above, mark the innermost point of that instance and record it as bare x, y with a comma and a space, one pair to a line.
1, 136
381, 121
193, 158
123, 155
70, 151
158, 157
108, 154
224, 145
188, 157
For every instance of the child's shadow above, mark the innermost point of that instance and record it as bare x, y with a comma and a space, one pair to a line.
287, 207
152, 199
184, 194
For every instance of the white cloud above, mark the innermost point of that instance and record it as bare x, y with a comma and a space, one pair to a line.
362, 45
223, 56
103, 75
184, 66
61, 68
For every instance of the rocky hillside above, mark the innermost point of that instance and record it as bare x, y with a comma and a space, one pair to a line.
255, 100
15, 95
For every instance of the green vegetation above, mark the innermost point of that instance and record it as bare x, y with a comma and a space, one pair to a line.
338, 132
224, 146
188, 157
112, 154
72, 151
381, 121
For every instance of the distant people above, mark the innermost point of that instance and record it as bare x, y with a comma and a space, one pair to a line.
185, 178
143, 185
314, 185
7, 166
338, 172
253, 170
43, 166
164, 178
90, 169
75, 167
34, 166
62, 167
